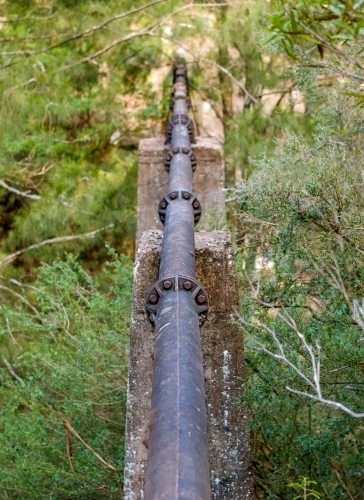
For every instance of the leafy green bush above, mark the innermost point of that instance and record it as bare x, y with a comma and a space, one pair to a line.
62, 422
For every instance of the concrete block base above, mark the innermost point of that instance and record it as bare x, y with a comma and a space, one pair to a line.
208, 181
223, 359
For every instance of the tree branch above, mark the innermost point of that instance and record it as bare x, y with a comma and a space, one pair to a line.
83, 34
358, 313
329, 45
145, 32
12, 372
328, 402
213, 63
338, 476
23, 299
60, 239
95, 454
130, 36
13, 339
16, 191
69, 447
281, 356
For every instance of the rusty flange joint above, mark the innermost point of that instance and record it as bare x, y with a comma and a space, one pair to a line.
180, 150
179, 195
180, 120
167, 284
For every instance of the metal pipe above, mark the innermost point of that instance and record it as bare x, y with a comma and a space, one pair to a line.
178, 245
177, 466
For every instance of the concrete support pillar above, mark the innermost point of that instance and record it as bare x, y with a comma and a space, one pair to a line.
208, 181
223, 359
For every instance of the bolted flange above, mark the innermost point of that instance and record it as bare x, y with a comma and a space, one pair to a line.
176, 98
169, 283
175, 195
179, 70
180, 150
183, 120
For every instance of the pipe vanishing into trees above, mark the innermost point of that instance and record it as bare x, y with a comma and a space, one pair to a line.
177, 466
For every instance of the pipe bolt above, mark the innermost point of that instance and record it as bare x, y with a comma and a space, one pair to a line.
201, 299
167, 284
186, 196
153, 299
195, 204
187, 285
173, 196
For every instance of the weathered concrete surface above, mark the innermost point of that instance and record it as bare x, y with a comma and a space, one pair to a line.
208, 181
223, 358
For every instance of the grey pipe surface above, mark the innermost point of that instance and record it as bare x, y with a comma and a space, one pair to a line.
177, 465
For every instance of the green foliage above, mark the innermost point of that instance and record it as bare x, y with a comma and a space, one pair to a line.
301, 216
77, 98
299, 27
332, 21
76, 377
249, 128
254, 132
65, 95
305, 489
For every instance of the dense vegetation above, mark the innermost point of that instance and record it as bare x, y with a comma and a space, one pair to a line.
81, 83
62, 423
301, 219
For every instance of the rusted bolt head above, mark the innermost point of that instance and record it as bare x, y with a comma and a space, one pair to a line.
175, 150
195, 204
173, 196
185, 151
153, 299
193, 157
187, 285
168, 157
201, 299
184, 120
163, 204
186, 196
167, 284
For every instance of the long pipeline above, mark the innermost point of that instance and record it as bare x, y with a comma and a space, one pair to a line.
177, 465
